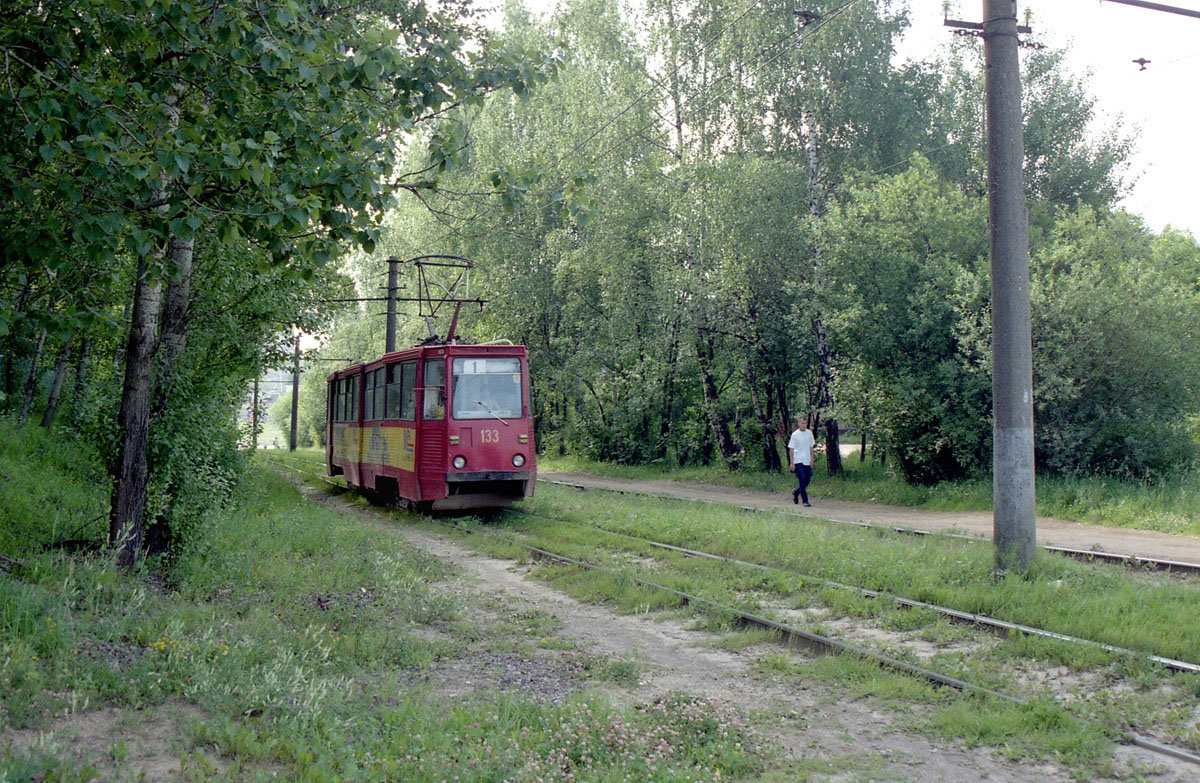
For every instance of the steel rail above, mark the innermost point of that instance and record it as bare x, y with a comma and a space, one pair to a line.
1133, 561
797, 637
956, 615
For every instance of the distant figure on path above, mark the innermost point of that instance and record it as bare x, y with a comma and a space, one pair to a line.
800, 452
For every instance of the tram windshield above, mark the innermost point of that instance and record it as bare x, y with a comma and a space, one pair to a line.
487, 388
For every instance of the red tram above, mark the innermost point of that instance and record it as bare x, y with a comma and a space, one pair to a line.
438, 427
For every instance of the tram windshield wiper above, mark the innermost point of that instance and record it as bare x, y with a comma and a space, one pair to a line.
495, 415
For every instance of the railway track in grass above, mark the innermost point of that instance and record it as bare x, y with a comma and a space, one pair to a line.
795, 637
957, 616
953, 615
1132, 561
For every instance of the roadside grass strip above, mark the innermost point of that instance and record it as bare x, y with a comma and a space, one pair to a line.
1171, 505
301, 641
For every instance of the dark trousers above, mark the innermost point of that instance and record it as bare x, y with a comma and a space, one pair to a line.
803, 476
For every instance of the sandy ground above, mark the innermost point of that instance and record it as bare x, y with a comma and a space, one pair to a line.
811, 721
1054, 532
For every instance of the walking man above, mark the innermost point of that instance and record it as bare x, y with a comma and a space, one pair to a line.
800, 451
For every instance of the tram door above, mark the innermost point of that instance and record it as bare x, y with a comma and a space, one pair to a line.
432, 457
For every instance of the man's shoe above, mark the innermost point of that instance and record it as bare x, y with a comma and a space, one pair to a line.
795, 497
808, 505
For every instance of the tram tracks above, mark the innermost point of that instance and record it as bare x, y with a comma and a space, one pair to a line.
794, 636
953, 615
1091, 555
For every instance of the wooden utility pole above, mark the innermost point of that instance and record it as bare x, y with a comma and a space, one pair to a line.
295, 393
1014, 520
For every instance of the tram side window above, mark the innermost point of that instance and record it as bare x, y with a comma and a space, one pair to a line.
393, 391
353, 395
408, 385
380, 392
368, 395
338, 399
434, 407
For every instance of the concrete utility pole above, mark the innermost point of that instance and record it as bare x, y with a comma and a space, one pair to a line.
295, 392
1012, 363
393, 280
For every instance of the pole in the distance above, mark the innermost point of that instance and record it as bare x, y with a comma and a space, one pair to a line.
1012, 362
295, 393
393, 281
254, 418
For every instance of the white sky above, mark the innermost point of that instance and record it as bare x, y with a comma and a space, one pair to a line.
1104, 39
1161, 102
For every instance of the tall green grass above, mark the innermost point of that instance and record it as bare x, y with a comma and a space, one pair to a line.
303, 635
52, 486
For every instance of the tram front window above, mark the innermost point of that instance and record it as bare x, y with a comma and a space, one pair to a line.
487, 388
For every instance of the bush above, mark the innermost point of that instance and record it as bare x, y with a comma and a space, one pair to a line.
1117, 349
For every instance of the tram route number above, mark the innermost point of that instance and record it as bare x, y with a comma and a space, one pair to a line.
489, 436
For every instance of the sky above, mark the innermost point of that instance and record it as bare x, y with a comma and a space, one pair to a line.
1161, 103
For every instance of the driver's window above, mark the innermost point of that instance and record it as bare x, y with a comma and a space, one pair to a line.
434, 407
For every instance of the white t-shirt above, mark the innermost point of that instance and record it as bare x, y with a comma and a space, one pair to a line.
801, 445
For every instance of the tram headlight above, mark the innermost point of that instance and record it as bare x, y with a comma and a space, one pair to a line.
518, 460
460, 462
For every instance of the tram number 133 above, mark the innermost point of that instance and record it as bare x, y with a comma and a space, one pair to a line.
489, 436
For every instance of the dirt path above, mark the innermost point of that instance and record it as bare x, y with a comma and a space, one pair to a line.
1054, 532
847, 738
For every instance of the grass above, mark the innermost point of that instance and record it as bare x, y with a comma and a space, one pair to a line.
1171, 506
51, 488
1075, 735
1135, 610
1159, 615
300, 639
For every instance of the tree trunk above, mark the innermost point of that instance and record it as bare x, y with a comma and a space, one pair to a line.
81, 372
174, 318
833, 447
862, 450
126, 526
676, 103
668, 394
770, 453
11, 345
716, 421
60, 369
782, 408
31, 378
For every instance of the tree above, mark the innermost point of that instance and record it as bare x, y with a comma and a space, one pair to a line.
141, 141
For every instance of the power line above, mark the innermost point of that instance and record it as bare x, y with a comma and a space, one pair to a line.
1170, 9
